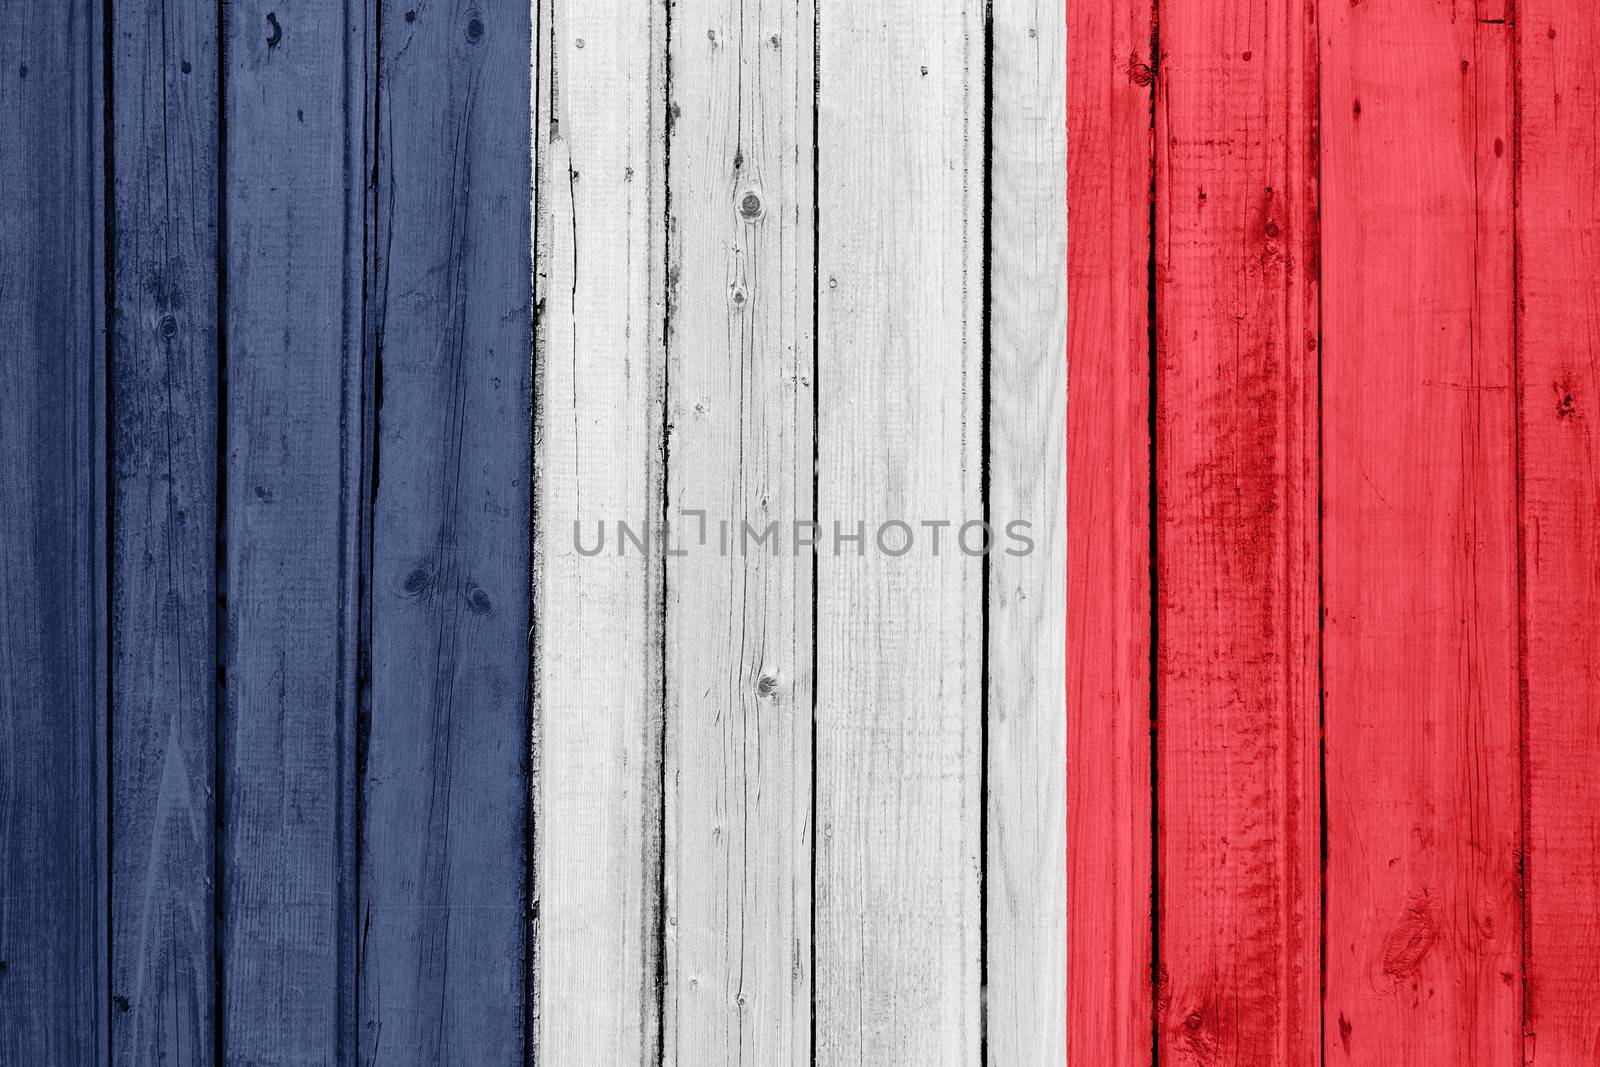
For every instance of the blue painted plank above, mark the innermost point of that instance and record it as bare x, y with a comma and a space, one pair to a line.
163, 551
53, 997
295, 119
445, 798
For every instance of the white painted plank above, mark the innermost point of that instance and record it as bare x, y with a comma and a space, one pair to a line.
599, 367
1025, 950
739, 647
900, 394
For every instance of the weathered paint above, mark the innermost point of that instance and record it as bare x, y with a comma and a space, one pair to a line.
53, 513
165, 367
444, 780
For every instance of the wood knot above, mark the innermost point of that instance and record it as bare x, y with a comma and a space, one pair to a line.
1409, 942
477, 600
417, 582
275, 34
168, 327
740, 297
1199, 1038
475, 29
750, 205
767, 686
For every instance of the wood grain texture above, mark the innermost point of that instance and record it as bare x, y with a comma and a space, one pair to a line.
445, 779
1025, 807
1236, 547
599, 385
295, 162
53, 995
1424, 931
1558, 222
738, 619
1110, 155
900, 384
164, 554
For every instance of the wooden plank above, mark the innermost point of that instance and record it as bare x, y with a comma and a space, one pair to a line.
738, 624
445, 780
1110, 154
1424, 926
1558, 220
53, 993
900, 381
294, 125
1236, 546
164, 553
1025, 928
600, 291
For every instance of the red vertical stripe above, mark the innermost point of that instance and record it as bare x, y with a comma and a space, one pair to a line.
1558, 224
1236, 484
1108, 594
1423, 776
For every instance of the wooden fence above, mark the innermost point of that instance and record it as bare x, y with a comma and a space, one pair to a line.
324, 740
333, 334
1332, 550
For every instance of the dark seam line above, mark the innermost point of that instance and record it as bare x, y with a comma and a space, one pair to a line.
816, 480
108, 209
220, 627
1519, 472
371, 359
667, 309
986, 571
1153, 364
1322, 598
530, 806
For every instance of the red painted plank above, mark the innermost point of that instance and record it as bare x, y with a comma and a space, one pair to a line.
1236, 552
1558, 340
1419, 540
1108, 539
